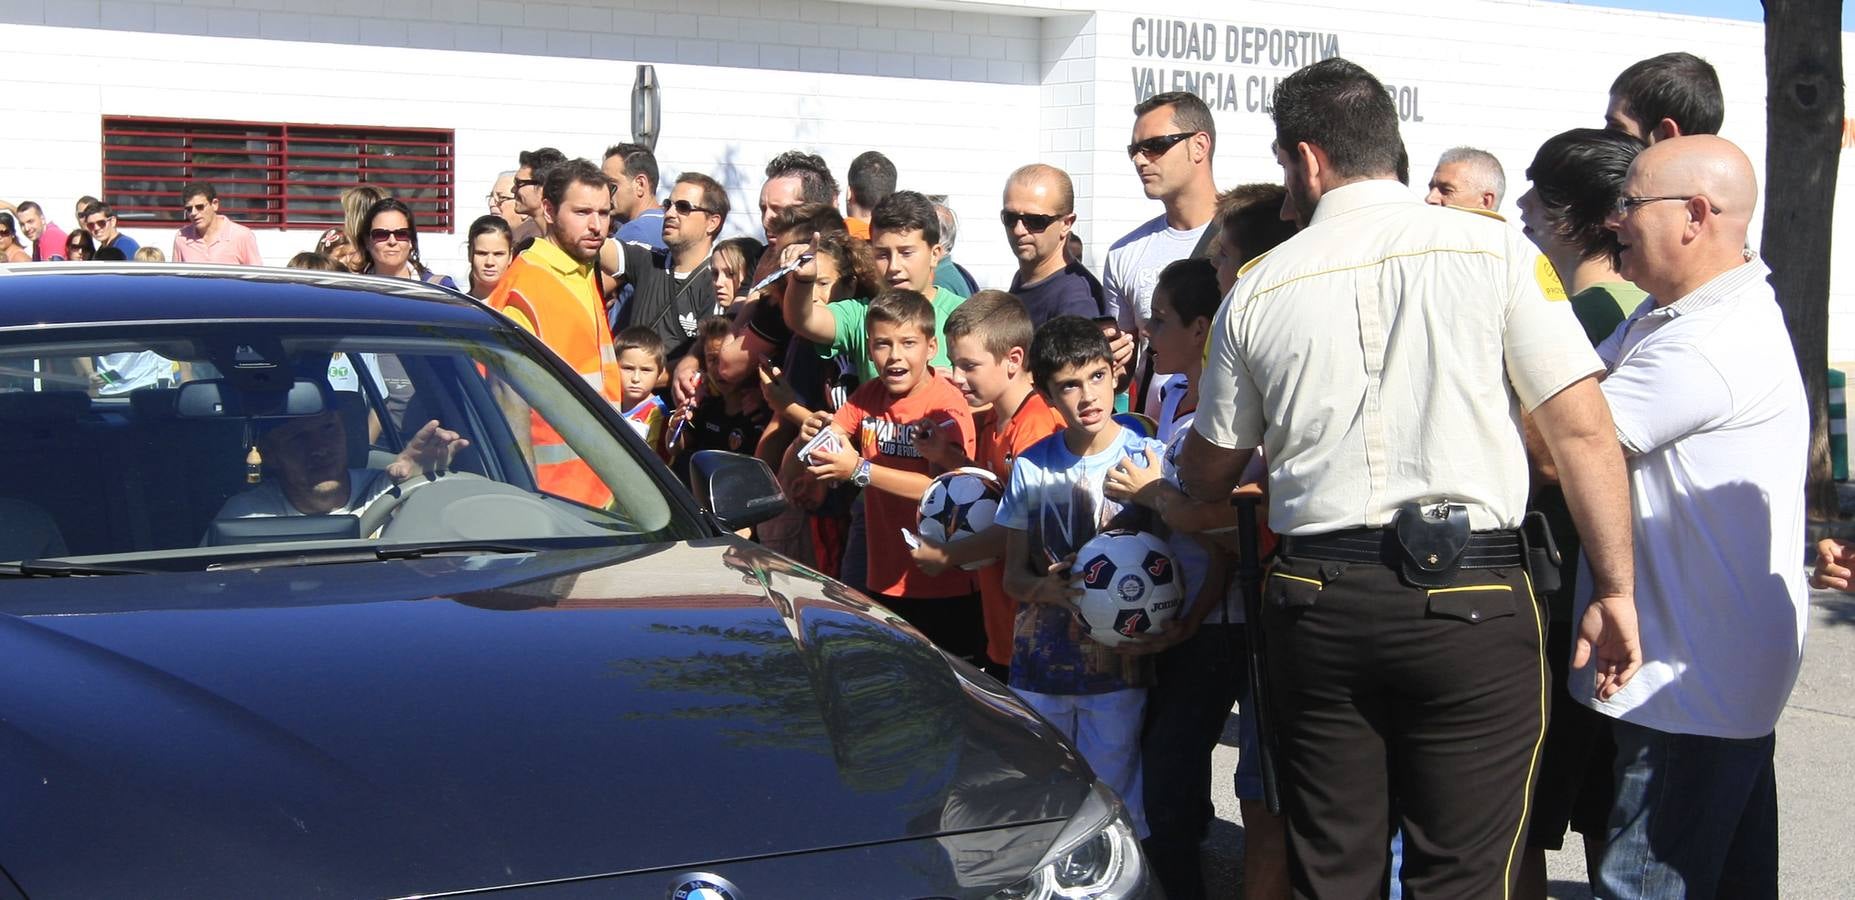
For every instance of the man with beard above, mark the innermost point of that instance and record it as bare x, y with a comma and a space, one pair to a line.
674, 288
550, 291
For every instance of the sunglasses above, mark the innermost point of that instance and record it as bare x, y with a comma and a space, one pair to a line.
99, 223
525, 182
1033, 222
195, 207
684, 207
6, 234
1626, 205
1156, 147
382, 235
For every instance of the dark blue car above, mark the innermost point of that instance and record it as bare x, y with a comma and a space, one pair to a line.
286, 612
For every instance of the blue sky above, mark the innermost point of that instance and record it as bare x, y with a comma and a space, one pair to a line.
1750, 10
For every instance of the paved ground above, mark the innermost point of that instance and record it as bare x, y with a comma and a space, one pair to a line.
1816, 782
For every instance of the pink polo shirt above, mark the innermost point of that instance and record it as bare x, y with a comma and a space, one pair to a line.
234, 245
50, 244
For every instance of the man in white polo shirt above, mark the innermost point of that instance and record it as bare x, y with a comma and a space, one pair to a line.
1711, 413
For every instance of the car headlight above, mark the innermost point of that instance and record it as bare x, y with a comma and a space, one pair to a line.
1095, 857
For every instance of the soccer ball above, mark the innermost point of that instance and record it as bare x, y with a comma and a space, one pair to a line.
959, 504
1130, 585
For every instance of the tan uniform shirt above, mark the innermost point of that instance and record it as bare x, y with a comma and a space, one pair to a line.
1384, 355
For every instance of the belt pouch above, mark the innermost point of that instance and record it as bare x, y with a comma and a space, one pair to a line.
1543, 558
1430, 542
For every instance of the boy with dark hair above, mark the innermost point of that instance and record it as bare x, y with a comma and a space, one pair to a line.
1053, 505
1666, 96
1201, 670
905, 240
640, 363
990, 335
877, 429
872, 180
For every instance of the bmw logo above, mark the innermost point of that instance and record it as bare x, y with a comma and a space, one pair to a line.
703, 886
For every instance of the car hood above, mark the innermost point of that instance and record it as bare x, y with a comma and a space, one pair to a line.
463, 722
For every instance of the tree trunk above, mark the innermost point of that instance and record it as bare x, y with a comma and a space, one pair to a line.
1803, 142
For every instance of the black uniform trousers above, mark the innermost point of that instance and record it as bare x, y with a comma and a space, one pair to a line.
1386, 697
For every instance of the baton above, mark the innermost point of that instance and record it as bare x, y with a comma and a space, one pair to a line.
1249, 576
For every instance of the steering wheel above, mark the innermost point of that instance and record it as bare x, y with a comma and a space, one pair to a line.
462, 506
383, 507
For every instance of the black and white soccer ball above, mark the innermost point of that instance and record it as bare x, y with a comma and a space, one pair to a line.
1130, 585
959, 504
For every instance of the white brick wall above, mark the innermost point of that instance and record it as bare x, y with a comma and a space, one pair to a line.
956, 93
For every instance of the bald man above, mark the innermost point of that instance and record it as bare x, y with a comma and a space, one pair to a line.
1710, 411
1469, 178
1038, 211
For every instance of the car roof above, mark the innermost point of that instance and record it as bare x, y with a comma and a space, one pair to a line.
82, 293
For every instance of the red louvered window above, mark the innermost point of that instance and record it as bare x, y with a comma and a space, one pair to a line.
271, 174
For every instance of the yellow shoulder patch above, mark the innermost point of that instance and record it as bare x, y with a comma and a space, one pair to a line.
1479, 211
1548, 279
1252, 263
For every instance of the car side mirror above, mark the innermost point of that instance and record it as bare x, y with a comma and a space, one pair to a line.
737, 490
214, 398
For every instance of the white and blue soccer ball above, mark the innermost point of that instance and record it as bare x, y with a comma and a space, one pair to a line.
959, 504
1130, 585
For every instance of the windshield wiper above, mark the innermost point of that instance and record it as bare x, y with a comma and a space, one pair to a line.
45, 568
324, 556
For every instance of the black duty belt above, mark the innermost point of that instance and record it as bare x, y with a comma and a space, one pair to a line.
1485, 549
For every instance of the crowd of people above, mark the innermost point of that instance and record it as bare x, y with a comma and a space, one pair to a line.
1533, 495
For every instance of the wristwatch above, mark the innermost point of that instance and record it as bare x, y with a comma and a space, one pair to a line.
861, 475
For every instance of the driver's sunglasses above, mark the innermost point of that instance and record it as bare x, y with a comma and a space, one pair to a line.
1156, 147
684, 207
1035, 223
382, 235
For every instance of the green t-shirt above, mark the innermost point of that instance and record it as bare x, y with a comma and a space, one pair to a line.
1600, 308
851, 339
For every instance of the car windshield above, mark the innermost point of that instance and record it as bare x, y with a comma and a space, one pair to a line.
184, 446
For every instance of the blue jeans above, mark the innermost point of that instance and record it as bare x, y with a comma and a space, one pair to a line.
1695, 817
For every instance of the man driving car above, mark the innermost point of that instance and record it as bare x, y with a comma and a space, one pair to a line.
309, 455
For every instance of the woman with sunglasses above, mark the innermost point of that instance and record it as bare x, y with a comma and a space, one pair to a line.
79, 245
490, 241
392, 244
10, 245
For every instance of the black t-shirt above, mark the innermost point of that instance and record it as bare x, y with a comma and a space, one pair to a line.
1070, 292
671, 306
714, 428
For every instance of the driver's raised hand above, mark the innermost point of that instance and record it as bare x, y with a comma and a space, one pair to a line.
431, 449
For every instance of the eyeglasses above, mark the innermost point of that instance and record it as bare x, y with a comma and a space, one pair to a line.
496, 199
1626, 205
382, 235
684, 207
1156, 147
1034, 223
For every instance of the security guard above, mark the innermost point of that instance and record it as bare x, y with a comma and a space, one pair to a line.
1383, 359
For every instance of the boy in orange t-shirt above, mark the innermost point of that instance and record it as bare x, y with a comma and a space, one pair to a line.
879, 426
989, 336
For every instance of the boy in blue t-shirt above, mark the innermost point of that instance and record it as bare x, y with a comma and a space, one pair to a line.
1053, 505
